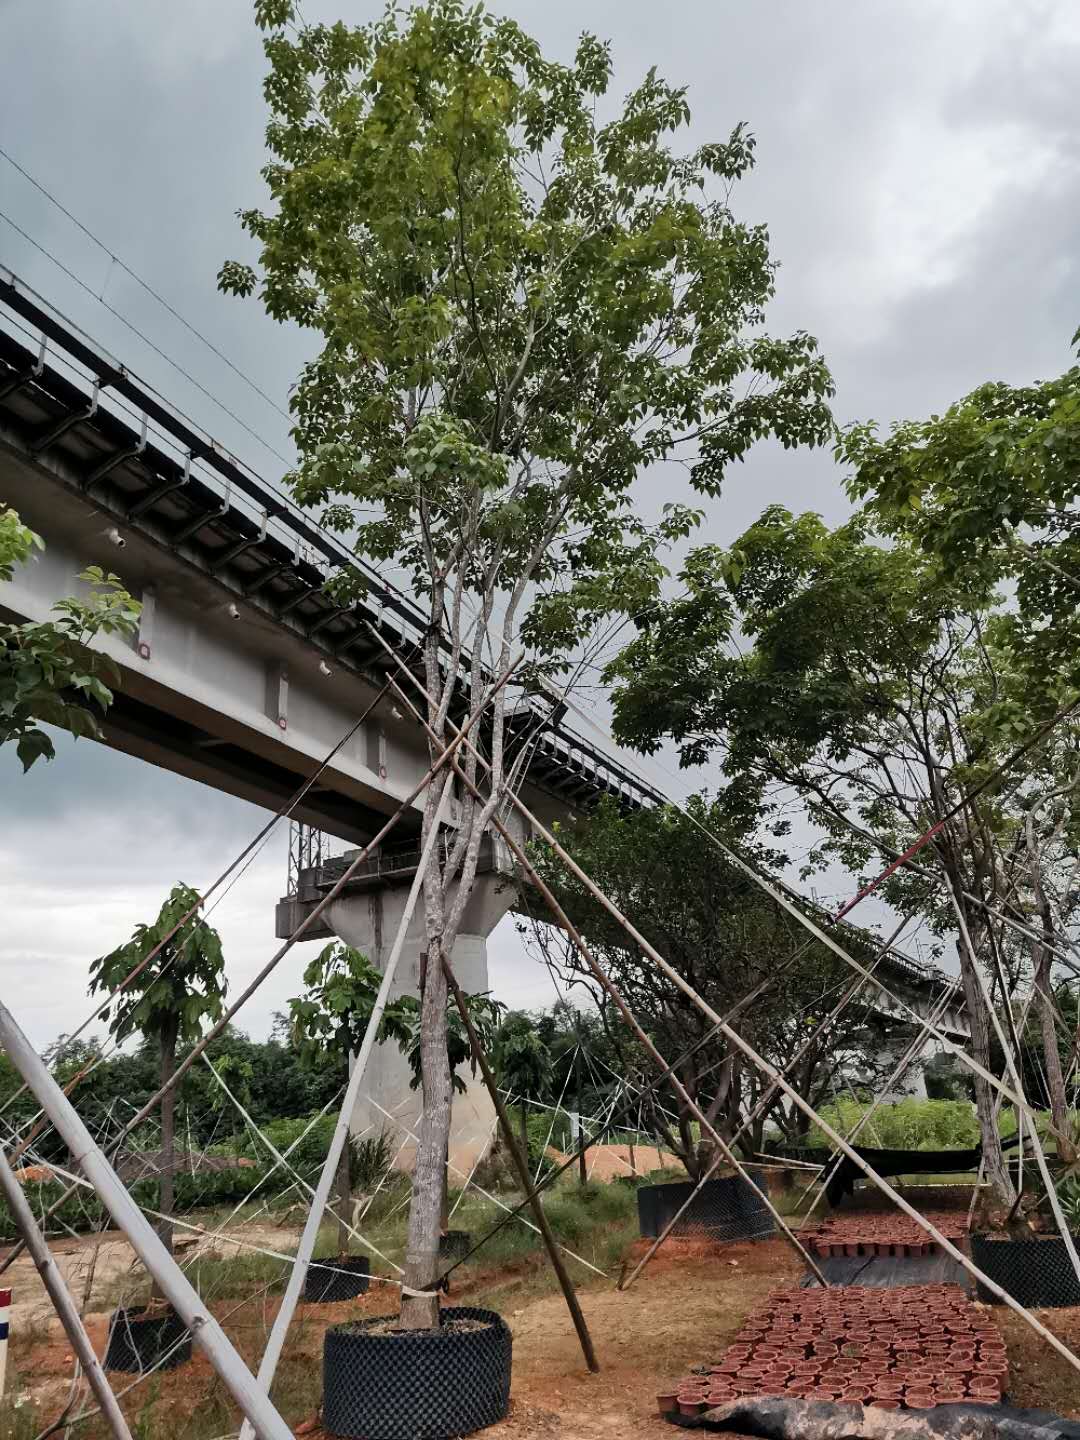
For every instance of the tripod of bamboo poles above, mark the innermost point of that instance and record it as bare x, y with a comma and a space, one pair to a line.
298, 934
259, 1414
768, 1070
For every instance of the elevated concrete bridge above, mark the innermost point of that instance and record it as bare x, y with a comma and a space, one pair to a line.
244, 673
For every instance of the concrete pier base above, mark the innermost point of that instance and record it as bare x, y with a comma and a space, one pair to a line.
369, 922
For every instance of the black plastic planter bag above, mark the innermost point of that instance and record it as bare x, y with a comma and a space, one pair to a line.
728, 1209
416, 1385
138, 1342
1033, 1272
332, 1280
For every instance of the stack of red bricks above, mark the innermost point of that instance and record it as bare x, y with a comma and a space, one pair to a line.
890, 1234
913, 1348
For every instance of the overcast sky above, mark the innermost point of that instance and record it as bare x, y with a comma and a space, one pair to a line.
918, 167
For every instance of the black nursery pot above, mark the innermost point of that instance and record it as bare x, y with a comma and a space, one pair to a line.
139, 1342
418, 1384
455, 1243
727, 1209
1033, 1272
340, 1279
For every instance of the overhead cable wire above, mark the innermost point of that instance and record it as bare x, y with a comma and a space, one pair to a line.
175, 364
145, 284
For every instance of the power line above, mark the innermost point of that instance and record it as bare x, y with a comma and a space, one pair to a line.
147, 341
123, 265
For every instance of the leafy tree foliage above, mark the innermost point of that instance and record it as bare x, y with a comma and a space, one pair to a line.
48, 672
991, 487
724, 935
883, 689
519, 309
523, 1063
167, 1003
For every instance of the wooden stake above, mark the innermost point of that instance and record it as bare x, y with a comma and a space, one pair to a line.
521, 1165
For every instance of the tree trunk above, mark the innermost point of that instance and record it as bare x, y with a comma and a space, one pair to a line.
1002, 1193
421, 1312
525, 1129
167, 1182
1042, 960
1055, 1078
444, 1210
344, 1198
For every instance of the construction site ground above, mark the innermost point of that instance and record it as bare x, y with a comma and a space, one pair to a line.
688, 1302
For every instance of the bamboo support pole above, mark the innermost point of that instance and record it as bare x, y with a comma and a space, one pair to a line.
808, 1110
765, 1100
62, 1300
136, 970
774, 1075
1011, 1066
540, 829
901, 1066
310, 1233
174, 1285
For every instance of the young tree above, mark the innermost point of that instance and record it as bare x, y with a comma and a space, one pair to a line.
522, 1063
48, 673
875, 686
520, 309
728, 939
990, 488
168, 1003
329, 1022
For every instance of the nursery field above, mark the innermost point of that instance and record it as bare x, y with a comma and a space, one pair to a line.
689, 1301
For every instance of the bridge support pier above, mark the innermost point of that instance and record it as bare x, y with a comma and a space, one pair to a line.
368, 921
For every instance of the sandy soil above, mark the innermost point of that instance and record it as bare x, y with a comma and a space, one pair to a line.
112, 1260
608, 1162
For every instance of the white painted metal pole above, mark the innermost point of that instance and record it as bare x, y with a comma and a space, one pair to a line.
61, 1298
289, 1300
205, 1330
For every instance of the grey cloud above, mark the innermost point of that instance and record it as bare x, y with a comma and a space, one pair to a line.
917, 168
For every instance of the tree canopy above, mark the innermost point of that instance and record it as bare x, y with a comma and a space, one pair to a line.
728, 939
48, 672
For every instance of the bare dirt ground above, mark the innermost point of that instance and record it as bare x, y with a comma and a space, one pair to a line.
113, 1261
609, 1162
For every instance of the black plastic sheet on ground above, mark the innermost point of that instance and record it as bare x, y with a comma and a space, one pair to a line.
883, 1272
727, 1209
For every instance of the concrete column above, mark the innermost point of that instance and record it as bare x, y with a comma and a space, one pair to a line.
912, 1084
368, 921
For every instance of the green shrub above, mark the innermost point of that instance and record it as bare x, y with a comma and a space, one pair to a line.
910, 1124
